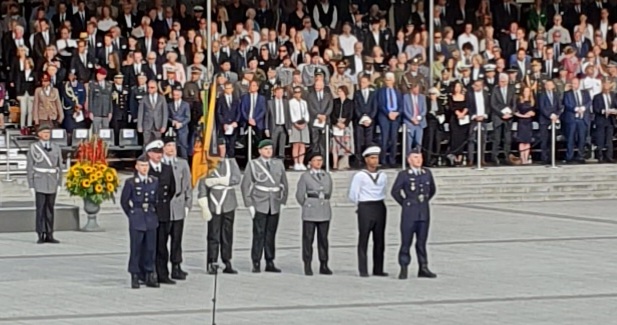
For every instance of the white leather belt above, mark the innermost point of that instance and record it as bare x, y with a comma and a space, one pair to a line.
267, 189
46, 170
221, 187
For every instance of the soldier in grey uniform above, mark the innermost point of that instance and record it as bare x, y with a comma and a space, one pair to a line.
313, 194
179, 206
217, 199
44, 173
100, 101
264, 190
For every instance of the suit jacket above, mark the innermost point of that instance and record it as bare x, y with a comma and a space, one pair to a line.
584, 48
39, 45
316, 107
84, 72
382, 101
102, 57
55, 20
365, 107
472, 104
166, 191
256, 175
183, 197
152, 48
409, 114
501, 18
498, 103
78, 25
9, 49
152, 116
600, 107
313, 194
271, 114
125, 26
25, 84
216, 191
226, 114
570, 104
259, 111
36, 158
414, 199
548, 107
182, 115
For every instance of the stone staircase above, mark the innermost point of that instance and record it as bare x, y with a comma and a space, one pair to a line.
454, 185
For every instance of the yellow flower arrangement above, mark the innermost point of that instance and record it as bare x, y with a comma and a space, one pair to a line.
90, 177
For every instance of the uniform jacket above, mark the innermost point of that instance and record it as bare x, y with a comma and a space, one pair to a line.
259, 186
139, 200
99, 99
183, 197
120, 103
47, 107
152, 116
165, 192
313, 194
40, 162
413, 193
217, 187
338, 80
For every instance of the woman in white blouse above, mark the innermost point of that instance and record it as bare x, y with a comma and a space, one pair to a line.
300, 137
585, 28
172, 62
347, 41
65, 46
106, 22
249, 26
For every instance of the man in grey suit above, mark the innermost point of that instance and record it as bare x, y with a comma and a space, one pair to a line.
226, 71
179, 118
313, 194
44, 174
152, 114
320, 107
278, 121
502, 109
100, 101
179, 206
217, 199
264, 190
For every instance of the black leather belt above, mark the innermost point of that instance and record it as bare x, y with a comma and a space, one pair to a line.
316, 196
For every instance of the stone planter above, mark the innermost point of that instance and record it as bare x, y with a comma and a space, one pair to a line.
91, 210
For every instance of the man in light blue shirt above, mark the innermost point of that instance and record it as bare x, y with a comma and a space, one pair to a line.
309, 33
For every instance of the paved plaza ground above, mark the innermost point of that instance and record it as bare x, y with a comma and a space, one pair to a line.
532, 264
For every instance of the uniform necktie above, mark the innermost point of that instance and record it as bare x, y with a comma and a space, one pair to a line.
268, 165
318, 175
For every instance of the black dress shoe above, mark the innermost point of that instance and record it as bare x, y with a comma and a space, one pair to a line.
134, 281
142, 278
271, 268
609, 161
166, 281
424, 272
151, 281
308, 270
228, 269
403, 274
324, 269
41, 238
211, 269
176, 273
50, 239
256, 267
363, 275
380, 274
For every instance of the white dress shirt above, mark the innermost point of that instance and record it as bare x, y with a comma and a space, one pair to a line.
480, 108
363, 188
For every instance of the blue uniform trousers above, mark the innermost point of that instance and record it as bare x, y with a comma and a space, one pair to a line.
410, 228
143, 250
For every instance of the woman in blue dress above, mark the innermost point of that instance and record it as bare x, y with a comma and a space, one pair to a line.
524, 112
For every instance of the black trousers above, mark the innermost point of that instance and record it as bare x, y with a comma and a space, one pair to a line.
264, 233
257, 137
162, 253
176, 231
364, 138
472, 144
45, 212
220, 236
318, 140
117, 125
545, 142
432, 140
604, 140
371, 219
230, 145
308, 235
143, 251
502, 132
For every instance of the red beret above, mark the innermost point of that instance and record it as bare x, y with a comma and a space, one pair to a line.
101, 71
45, 77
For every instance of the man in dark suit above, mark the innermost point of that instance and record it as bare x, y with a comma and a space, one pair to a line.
460, 15
605, 109
593, 10
132, 71
555, 8
149, 42
373, 38
42, 40
253, 112
94, 38
365, 114
502, 109
153, 70
227, 117
60, 17
11, 42
320, 105
83, 62
104, 52
127, 21
550, 109
278, 121
79, 20
390, 105
504, 14
573, 14
218, 56
478, 103
577, 112
581, 45
179, 118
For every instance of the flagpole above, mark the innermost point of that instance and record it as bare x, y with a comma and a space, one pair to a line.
209, 77
431, 39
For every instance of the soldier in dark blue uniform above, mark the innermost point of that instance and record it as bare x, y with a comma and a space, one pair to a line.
413, 190
139, 196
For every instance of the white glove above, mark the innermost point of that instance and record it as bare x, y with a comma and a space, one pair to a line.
206, 214
252, 211
186, 212
129, 118
59, 188
205, 210
32, 192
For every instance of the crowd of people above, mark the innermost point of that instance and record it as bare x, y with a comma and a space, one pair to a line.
298, 72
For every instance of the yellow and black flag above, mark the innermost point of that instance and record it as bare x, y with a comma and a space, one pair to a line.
205, 154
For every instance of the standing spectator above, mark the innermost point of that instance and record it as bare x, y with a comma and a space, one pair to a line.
365, 112
414, 116
253, 111
342, 131
47, 109
278, 122
577, 105
179, 118
502, 107
549, 108
120, 103
73, 101
525, 111
459, 123
100, 102
24, 90
227, 117
299, 136
325, 15
152, 114
390, 104
320, 107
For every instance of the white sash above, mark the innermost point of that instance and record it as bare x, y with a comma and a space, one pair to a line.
44, 155
265, 170
218, 204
